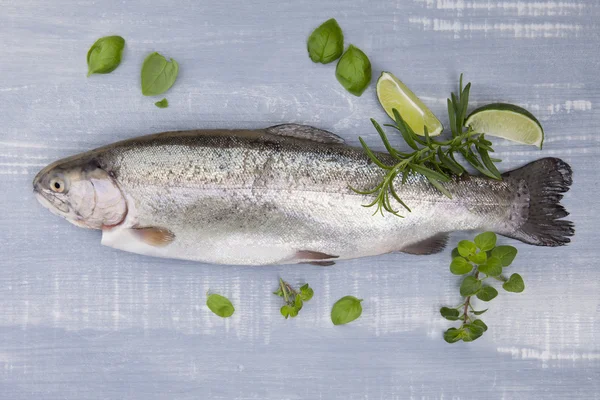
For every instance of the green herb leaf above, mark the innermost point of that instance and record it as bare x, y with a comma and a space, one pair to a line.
466, 248
326, 43
453, 335
345, 310
492, 267
506, 254
478, 258
449, 313
306, 293
479, 312
164, 103
353, 71
298, 303
158, 74
486, 241
487, 293
460, 266
514, 284
220, 305
278, 292
472, 332
481, 324
105, 55
470, 286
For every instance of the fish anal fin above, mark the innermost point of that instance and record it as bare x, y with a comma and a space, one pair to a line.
314, 257
305, 132
154, 236
432, 245
322, 263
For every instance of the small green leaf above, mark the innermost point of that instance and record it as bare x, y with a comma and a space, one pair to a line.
486, 241
450, 314
164, 103
287, 311
506, 254
326, 43
293, 311
479, 312
460, 266
453, 335
466, 248
306, 293
278, 292
492, 267
105, 55
298, 303
481, 324
487, 293
470, 286
454, 253
353, 71
345, 310
472, 332
478, 258
220, 305
514, 284
158, 74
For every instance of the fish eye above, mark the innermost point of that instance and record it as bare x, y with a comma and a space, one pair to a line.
57, 185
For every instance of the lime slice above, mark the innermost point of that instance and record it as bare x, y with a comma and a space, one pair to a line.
507, 121
394, 94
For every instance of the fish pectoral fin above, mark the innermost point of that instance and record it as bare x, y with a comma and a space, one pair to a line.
305, 132
154, 236
431, 245
314, 257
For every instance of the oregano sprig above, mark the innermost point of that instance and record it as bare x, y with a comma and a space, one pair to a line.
294, 299
434, 159
479, 260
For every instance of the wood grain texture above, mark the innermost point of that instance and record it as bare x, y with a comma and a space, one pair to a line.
80, 321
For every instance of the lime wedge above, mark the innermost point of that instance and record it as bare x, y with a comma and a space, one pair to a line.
507, 121
394, 94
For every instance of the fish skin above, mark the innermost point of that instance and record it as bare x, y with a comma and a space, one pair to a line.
257, 197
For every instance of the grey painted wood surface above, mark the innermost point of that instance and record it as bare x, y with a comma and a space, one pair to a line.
80, 321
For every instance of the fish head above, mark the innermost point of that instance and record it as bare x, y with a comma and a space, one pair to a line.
80, 190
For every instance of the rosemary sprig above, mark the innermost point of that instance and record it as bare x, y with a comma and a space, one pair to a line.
434, 159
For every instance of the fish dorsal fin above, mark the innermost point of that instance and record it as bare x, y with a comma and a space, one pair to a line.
304, 132
431, 245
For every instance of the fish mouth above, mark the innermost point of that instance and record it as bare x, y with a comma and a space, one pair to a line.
53, 204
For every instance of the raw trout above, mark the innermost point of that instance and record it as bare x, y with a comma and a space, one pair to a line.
282, 195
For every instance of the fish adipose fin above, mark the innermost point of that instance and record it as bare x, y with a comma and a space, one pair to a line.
305, 132
153, 236
432, 245
542, 182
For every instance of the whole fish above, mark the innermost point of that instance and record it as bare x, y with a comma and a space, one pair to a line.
282, 195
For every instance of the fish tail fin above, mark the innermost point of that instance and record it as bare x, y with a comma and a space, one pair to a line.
536, 210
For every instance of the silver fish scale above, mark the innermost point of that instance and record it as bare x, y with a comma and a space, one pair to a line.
247, 197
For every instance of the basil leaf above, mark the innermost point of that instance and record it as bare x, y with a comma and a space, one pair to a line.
326, 43
353, 71
470, 286
460, 266
486, 241
164, 103
487, 293
506, 254
514, 284
158, 74
345, 310
105, 55
220, 305
466, 248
